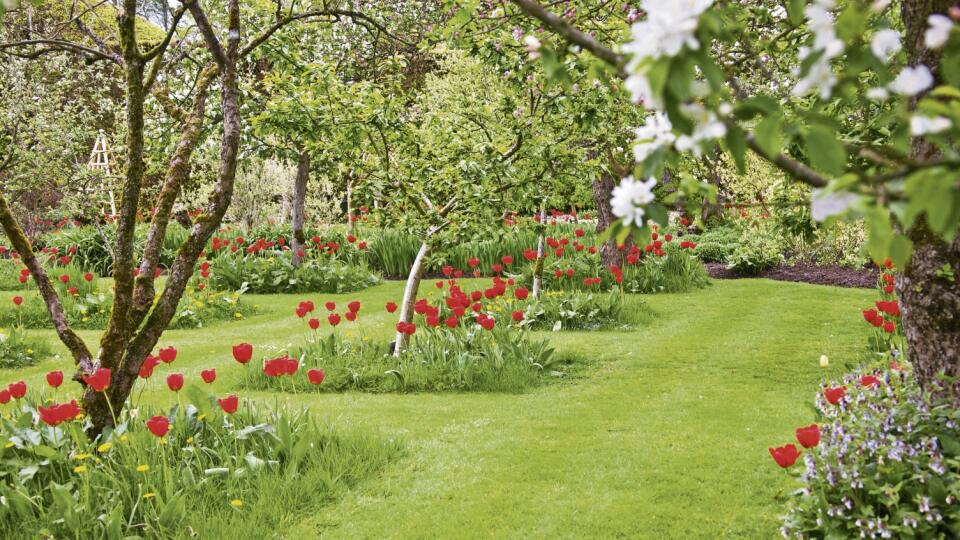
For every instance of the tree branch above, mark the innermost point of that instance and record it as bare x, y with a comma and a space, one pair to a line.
571, 34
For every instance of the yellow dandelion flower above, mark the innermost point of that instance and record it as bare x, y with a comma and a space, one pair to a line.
9, 445
80, 469
237, 503
81, 457
124, 438
200, 418
238, 315
29, 351
143, 468
190, 439
104, 447
149, 495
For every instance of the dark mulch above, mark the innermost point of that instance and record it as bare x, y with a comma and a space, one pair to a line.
837, 276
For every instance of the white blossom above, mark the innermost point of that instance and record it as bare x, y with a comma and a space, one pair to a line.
820, 75
533, 46
824, 204
706, 127
938, 32
885, 44
653, 135
670, 25
878, 93
912, 80
639, 88
922, 125
629, 197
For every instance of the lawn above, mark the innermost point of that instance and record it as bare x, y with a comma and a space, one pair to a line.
663, 435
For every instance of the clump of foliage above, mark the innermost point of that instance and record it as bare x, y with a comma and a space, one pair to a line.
268, 275
18, 349
582, 311
183, 469
438, 360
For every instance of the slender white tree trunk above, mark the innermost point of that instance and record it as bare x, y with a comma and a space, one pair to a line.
538, 265
299, 206
410, 296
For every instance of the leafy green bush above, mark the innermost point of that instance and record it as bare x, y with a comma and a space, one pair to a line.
581, 311
755, 253
841, 244
887, 465
276, 274
17, 349
93, 246
461, 359
716, 244
131, 483
677, 271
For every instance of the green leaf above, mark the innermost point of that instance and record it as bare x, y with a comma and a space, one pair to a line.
769, 135
737, 146
900, 250
795, 11
825, 151
880, 233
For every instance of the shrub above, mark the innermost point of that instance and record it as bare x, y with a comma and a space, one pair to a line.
887, 464
716, 244
17, 349
276, 274
755, 253
581, 311
841, 244
677, 271
461, 359
93, 247
131, 482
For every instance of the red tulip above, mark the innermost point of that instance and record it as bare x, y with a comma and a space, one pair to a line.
354, 306
517, 316
869, 380
391, 307
243, 352
447, 270
333, 319
809, 436
331, 306
315, 376
579, 233
451, 321
99, 380
785, 455
889, 327
23, 278
834, 395
208, 375
351, 315
473, 262
64, 278
158, 425
146, 369
17, 389
17, 300
497, 268
168, 355
55, 379
507, 260
73, 291
57, 414
175, 381
314, 323
229, 404
5, 397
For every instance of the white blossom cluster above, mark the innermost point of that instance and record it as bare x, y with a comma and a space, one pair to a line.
820, 75
630, 197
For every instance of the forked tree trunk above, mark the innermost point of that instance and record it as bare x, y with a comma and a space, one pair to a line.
538, 264
410, 297
299, 240
602, 191
929, 287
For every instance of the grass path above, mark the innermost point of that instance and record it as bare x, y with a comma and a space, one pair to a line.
664, 437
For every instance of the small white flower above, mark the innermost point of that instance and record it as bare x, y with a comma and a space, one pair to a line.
922, 125
533, 46
656, 133
938, 32
912, 80
639, 88
885, 44
824, 204
878, 94
629, 197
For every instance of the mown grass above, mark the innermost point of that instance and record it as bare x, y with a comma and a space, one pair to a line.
664, 435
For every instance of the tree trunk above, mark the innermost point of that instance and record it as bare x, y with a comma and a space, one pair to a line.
929, 287
410, 296
538, 265
299, 240
602, 191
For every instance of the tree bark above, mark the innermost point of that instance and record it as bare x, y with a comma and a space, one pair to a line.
299, 240
929, 286
410, 296
602, 191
